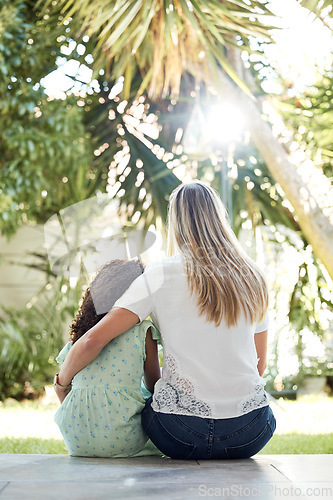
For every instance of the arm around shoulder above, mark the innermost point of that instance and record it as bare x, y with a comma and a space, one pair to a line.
85, 350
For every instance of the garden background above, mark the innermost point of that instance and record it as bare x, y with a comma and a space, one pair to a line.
113, 104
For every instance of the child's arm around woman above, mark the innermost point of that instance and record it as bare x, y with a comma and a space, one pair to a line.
152, 365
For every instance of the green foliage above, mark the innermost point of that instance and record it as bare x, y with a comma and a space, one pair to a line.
30, 339
310, 115
322, 9
28, 49
309, 298
124, 138
42, 141
152, 37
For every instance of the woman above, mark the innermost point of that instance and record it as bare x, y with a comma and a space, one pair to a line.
209, 301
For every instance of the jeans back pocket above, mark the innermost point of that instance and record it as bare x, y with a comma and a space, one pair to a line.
252, 447
168, 443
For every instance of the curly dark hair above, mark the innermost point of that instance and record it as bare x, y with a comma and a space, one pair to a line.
106, 288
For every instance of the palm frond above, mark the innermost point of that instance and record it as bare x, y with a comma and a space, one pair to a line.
319, 8
164, 39
128, 138
323, 10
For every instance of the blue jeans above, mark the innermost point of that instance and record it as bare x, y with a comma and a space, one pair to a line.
186, 437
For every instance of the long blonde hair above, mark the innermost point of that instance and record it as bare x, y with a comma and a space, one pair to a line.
225, 280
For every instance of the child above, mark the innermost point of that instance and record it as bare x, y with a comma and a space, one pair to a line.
100, 414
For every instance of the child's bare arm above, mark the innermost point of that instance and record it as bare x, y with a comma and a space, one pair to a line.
260, 340
61, 393
152, 368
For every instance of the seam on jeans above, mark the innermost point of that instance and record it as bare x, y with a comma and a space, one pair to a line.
146, 413
270, 426
189, 446
146, 427
210, 438
250, 424
272, 421
187, 428
242, 447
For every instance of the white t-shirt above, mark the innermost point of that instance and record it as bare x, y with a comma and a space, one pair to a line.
208, 371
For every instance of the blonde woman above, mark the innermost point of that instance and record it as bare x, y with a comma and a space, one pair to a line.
209, 301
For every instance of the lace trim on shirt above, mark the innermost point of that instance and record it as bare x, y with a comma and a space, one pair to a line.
176, 393
256, 399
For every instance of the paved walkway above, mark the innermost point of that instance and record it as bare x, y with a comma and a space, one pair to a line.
61, 477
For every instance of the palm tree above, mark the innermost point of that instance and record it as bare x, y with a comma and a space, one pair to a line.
163, 41
305, 186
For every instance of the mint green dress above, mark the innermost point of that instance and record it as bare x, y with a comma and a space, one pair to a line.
101, 415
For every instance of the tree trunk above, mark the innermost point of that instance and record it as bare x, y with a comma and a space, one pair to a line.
314, 223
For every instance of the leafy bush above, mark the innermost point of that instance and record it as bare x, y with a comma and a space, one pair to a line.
30, 339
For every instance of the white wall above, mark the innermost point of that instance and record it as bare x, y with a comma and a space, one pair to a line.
18, 283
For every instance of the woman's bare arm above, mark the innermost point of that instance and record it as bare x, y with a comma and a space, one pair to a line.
152, 370
260, 340
85, 350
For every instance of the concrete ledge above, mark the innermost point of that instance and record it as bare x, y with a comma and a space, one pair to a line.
48, 477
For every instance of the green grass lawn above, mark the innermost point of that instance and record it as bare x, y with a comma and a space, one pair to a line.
304, 426
297, 444
279, 444
32, 445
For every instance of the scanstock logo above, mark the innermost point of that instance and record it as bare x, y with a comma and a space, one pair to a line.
83, 237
